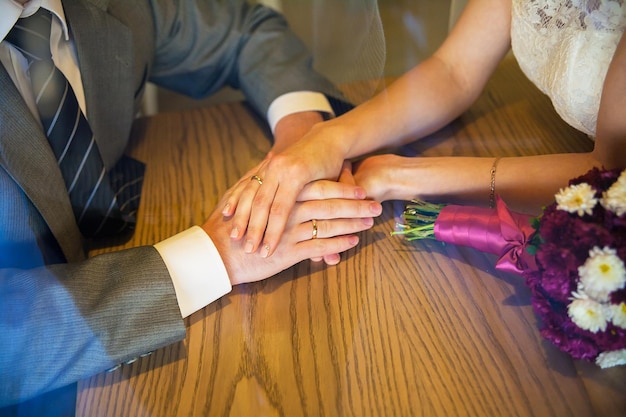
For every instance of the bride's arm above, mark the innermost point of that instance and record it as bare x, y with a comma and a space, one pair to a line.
437, 90
525, 183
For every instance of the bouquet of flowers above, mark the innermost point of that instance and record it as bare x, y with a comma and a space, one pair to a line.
572, 257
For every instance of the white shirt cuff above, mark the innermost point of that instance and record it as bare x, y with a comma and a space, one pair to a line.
196, 268
296, 102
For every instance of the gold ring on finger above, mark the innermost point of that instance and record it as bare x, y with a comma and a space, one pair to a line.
257, 179
314, 234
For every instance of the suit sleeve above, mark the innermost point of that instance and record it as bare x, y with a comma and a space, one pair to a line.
204, 45
61, 323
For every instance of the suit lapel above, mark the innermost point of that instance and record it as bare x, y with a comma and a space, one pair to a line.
105, 55
27, 157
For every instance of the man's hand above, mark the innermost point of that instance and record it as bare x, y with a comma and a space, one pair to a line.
336, 217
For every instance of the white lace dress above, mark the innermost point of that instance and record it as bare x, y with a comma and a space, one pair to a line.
565, 48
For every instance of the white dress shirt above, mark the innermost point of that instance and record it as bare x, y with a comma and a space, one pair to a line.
196, 268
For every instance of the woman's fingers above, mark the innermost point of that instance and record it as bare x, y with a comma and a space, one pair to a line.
268, 223
346, 176
260, 203
233, 195
263, 211
245, 205
239, 201
326, 189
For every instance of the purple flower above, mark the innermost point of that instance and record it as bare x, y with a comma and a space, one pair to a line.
562, 240
566, 239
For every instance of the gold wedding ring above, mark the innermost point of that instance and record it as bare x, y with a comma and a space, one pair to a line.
257, 179
314, 236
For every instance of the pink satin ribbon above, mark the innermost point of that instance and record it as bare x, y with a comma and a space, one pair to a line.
498, 231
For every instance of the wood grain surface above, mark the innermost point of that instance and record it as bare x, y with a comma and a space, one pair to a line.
396, 329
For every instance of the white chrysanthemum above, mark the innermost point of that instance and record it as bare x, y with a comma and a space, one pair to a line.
588, 314
613, 358
618, 314
579, 198
614, 199
602, 273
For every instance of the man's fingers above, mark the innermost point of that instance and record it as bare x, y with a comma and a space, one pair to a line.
315, 248
335, 209
323, 229
332, 259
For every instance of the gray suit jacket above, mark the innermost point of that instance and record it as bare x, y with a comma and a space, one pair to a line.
63, 316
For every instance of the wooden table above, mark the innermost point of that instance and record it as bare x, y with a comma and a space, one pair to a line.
396, 329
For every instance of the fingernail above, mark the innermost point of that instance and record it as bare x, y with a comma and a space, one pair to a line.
353, 240
249, 246
368, 221
332, 259
376, 208
266, 251
234, 233
226, 210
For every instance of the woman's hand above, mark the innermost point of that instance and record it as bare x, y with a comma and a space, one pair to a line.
376, 175
322, 225
261, 202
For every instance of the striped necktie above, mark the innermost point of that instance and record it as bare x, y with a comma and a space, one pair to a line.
104, 203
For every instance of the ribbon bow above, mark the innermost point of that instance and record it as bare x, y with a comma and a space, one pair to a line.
497, 231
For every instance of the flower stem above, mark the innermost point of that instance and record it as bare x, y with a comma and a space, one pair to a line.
419, 220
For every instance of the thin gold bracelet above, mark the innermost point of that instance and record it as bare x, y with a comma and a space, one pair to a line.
492, 187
